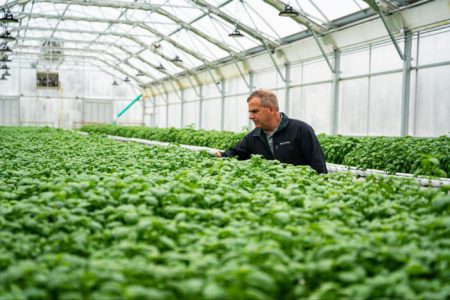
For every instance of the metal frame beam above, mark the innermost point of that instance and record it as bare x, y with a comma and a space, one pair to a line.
229, 19
105, 52
406, 84
287, 88
335, 95
300, 19
103, 3
83, 19
314, 27
373, 4
130, 37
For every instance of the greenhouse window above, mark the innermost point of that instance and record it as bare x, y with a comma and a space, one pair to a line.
47, 80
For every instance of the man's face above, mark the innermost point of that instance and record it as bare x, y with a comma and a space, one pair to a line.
261, 116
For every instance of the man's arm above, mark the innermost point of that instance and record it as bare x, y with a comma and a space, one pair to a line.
242, 149
311, 150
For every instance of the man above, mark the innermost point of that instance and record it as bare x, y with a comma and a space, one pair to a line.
276, 136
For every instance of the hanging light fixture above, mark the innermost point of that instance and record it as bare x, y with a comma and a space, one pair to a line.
288, 11
160, 67
8, 17
140, 74
5, 59
4, 48
7, 73
3, 77
236, 33
4, 67
115, 83
7, 36
176, 59
127, 79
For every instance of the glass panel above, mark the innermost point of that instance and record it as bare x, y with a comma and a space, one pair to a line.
219, 30
160, 100
259, 16
93, 12
160, 116
316, 107
353, 101
296, 74
280, 93
434, 47
143, 35
190, 115
171, 52
386, 57
190, 94
135, 14
9, 111
331, 9
295, 103
316, 71
236, 112
138, 65
237, 86
199, 45
355, 63
160, 23
34, 34
182, 9
211, 114
266, 80
432, 104
48, 8
385, 105
211, 90
39, 22
175, 115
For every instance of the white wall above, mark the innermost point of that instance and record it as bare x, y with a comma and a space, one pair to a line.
85, 95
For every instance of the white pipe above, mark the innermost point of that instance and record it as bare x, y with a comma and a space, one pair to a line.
332, 168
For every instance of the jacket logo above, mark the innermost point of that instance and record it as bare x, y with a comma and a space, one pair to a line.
285, 143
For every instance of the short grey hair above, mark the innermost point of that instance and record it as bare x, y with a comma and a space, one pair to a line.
267, 97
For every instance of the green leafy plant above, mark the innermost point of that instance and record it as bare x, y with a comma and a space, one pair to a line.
430, 165
391, 154
85, 217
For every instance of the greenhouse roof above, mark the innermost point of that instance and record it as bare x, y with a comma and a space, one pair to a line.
150, 41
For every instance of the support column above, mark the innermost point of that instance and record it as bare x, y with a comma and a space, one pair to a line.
182, 109
287, 89
336, 87
19, 93
222, 105
154, 111
369, 90
167, 110
250, 90
144, 106
200, 108
416, 85
406, 84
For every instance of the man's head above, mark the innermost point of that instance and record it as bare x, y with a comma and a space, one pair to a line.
263, 109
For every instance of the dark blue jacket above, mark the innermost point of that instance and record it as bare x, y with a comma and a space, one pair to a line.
294, 143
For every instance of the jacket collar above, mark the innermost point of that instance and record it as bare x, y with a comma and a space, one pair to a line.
283, 124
